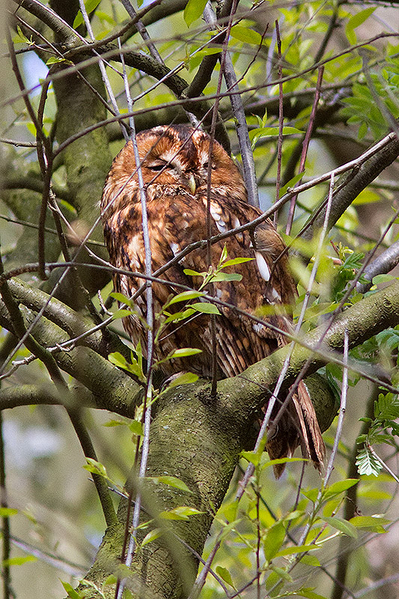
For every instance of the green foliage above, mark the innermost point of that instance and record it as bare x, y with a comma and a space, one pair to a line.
352, 262
90, 6
383, 429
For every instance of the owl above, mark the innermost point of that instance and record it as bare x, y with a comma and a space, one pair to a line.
176, 162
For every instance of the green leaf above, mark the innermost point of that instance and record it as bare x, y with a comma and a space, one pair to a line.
54, 60
246, 35
235, 261
111, 423
193, 273
367, 464
180, 513
186, 378
225, 276
372, 523
309, 594
339, 487
155, 533
185, 296
118, 360
193, 10
123, 313
273, 540
366, 196
71, 591
171, 481
5, 512
382, 279
355, 21
95, 467
90, 5
227, 528
291, 183
183, 352
119, 297
252, 456
225, 575
256, 134
19, 561
178, 316
310, 560
136, 428
342, 525
205, 308
197, 58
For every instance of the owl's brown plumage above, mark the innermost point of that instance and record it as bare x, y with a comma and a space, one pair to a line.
174, 165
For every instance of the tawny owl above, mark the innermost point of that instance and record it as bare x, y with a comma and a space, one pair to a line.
175, 161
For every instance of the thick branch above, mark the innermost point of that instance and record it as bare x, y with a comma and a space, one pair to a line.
198, 440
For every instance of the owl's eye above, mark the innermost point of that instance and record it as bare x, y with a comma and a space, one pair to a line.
158, 166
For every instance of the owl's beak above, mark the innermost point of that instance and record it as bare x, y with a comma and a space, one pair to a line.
191, 183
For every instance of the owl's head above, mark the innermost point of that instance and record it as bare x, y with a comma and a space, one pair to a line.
176, 156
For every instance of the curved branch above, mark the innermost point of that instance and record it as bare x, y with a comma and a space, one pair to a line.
206, 461
350, 186
381, 265
112, 388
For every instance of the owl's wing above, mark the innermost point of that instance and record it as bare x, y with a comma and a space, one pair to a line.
266, 288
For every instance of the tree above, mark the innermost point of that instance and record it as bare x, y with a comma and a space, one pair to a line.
295, 84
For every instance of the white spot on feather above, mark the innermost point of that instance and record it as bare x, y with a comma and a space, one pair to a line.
275, 294
175, 248
217, 213
258, 327
262, 266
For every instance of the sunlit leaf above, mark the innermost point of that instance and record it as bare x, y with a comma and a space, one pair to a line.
186, 378
340, 486
372, 523
90, 5
19, 561
71, 591
193, 273
225, 575
235, 261
342, 525
155, 533
95, 467
309, 593
5, 512
183, 352
193, 10
171, 481
205, 308
185, 296
273, 540
355, 21
225, 276
136, 427
180, 513
246, 35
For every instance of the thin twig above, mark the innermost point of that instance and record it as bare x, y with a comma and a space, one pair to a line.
280, 119
305, 147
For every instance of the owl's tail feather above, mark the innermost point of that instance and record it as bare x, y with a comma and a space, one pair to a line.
298, 427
